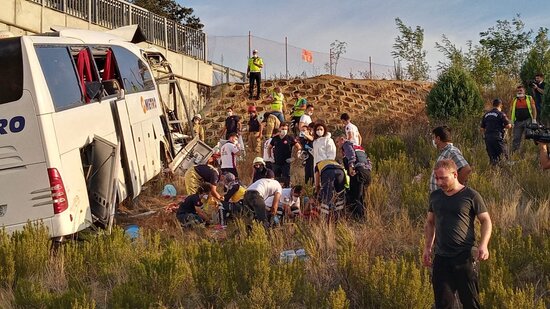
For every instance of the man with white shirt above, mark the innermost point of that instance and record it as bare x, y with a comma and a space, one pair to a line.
229, 153
289, 203
352, 132
256, 195
305, 120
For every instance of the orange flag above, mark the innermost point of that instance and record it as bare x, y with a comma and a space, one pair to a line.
307, 56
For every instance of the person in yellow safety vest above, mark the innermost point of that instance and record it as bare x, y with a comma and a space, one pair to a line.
276, 98
298, 110
254, 74
524, 112
331, 181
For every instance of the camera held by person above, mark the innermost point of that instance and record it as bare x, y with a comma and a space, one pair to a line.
538, 133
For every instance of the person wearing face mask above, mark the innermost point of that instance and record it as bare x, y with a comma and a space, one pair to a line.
254, 139
254, 73
281, 146
197, 128
232, 124
323, 145
305, 120
523, 113
259, 170
289, 203
268, 155
442, 142
306, 141
229, 152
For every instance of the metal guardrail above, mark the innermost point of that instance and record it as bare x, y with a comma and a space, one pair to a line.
227, 73
117, 13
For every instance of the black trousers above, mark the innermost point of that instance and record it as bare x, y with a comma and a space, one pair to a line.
255, 77
231, 170
296, 122
254, 201
455, 274
333, 180
356, 193
495, 148
308, 170
282, 171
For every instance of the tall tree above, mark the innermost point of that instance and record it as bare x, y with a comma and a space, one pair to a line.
538, 58
507, 43
171, 10
337, 49
408, 46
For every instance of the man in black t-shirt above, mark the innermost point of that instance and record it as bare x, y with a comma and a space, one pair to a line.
232, 124
538, 92
450, 222
190, 210
493, 125
281, 145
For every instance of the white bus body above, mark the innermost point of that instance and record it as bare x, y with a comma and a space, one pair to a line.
60, 128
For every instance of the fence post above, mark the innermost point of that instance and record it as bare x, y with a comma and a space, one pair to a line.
204, 47
89, 2
370, 67
286, 56
166, 34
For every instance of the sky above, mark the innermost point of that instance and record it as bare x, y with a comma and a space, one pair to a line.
367, 26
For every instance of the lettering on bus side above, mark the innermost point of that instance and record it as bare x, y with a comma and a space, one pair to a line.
13, 125
148, 104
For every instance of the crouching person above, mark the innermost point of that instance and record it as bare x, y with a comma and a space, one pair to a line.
289, 204
257, 193
233, 197
331, 182
190, 211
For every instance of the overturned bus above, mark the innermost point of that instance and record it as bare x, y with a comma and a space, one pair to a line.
82, 128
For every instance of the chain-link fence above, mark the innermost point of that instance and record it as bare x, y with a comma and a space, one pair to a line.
283, 60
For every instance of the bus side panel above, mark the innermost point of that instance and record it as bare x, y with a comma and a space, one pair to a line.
24, 184
152, 147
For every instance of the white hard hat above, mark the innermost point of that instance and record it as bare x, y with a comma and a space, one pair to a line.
198, 116
255, 51
258, 160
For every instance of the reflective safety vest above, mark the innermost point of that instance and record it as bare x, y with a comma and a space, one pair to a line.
299, 112
528, 99
332, 163
277, 103
255, 64
239, 195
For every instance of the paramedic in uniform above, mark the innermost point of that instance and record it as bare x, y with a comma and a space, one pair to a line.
493, 125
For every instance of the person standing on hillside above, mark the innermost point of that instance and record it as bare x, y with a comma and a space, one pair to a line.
450, 224
352, 132
493, 125
538, 92
323, 145
197, 128
359, 167
442, 141
305, 120
268, 154
281, 146
229, 152
276, 98
254, 74
298, 110
232, 124
254, 137
306, 139
524, 112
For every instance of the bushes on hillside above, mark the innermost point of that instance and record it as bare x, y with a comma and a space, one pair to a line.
454, 95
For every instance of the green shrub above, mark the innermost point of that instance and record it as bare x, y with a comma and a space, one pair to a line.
385, 147
454, 96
